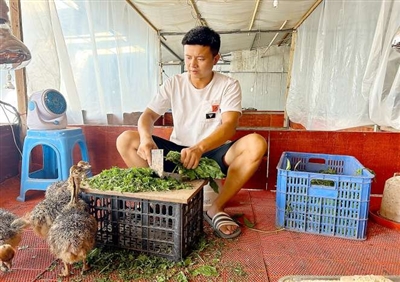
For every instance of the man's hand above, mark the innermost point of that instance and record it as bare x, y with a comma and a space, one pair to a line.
190, 157
144, 149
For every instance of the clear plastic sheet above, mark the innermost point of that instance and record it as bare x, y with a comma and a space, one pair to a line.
382, 76
99, 54
345, 73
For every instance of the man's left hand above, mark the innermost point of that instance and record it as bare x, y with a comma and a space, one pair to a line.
190, 157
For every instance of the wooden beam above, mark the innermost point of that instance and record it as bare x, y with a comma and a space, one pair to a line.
142, 15
198, 15
20, 75
254, 14
303, 18
252, 22
283, 39
155, 29
273, 39
313, 7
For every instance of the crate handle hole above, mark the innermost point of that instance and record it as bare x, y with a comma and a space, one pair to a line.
323, 182
316, 160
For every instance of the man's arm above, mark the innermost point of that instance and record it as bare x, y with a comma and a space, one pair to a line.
190, 157
145, 129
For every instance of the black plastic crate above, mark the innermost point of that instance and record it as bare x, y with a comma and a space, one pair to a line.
161, 228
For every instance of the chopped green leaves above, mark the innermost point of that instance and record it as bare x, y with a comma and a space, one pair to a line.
204, 263
207, 169
205, 270
134, 180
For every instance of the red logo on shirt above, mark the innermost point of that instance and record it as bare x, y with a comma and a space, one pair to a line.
215, 108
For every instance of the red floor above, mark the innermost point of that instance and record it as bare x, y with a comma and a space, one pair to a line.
264, 255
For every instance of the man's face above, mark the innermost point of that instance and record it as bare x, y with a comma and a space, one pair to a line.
199, 61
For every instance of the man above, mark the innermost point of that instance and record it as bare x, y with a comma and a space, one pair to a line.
206, 107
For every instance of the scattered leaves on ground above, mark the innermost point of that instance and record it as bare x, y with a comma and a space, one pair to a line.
120, 265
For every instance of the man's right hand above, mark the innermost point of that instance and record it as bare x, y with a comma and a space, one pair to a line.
145, 128
144, 149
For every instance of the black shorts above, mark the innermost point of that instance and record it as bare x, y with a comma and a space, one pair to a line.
217, 154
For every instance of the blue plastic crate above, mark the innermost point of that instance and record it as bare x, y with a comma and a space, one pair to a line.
310, 200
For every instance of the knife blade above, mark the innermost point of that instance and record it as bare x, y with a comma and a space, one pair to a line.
157, 161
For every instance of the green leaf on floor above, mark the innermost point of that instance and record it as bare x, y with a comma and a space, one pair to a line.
236, 216
205, 270
248, 223
125, 265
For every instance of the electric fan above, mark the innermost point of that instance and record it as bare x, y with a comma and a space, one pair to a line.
47, 110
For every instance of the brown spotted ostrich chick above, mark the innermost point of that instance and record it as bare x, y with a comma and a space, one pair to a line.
73, 233
60, 188
7, 254
58, 195
11, 228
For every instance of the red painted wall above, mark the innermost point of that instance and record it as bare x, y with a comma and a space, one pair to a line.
248, 119
379, 151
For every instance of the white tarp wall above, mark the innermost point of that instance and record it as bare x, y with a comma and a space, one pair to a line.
344, 74
104, 58
101, 55
382, 77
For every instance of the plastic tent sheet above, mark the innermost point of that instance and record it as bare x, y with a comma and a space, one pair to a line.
382, 76
228, 15
337, 49
100, 54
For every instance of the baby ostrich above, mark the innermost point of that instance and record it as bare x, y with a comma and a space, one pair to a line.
58, 195
73, 232
60, 189
7, 253
11, 228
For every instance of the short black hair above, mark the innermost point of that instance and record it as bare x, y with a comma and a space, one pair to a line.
205, 36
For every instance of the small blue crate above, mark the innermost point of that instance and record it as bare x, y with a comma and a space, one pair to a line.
323, 194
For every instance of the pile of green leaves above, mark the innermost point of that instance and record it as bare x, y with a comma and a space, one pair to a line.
207, 169
134, 180
112, 264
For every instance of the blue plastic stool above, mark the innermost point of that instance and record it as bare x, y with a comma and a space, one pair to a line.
57, 148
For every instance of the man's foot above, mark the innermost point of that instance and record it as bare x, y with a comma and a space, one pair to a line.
220, 220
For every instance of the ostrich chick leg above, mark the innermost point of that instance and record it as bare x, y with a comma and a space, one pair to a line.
3, 266
8, 264
85, 266
66, 271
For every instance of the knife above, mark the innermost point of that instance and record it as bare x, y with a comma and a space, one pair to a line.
157, 161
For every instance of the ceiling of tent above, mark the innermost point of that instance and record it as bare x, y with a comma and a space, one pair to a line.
242, 24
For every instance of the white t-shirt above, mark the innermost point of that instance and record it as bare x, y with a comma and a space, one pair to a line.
196, 112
